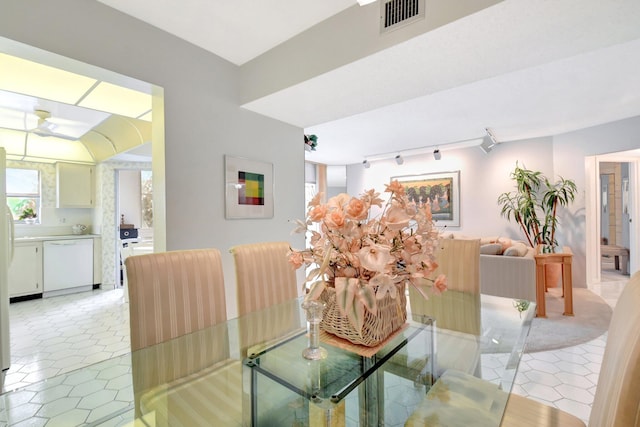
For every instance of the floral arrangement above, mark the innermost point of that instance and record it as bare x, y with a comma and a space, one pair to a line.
384, 252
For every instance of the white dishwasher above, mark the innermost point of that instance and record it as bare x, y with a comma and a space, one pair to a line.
67, 264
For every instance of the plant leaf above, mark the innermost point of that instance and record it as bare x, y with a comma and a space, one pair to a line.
326, 260
344, 298
316, 289
355, 311
356, 316
313, 274
368, 298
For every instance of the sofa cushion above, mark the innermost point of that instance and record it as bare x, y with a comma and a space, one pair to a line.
517, 249
491, 249
489, 240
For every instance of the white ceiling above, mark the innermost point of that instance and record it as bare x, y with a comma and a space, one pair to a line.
522, 68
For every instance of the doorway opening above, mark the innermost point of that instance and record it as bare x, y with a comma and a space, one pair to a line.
612, 237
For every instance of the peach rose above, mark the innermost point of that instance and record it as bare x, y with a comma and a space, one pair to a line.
395, 187
440, 284
335, 218
357, 209
318, 213
296, 259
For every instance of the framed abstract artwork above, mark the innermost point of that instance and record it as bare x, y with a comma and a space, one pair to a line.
248, 188
441, 190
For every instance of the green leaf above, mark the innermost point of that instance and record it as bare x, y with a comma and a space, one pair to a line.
367, 297
349, 305
356, 316
344, 298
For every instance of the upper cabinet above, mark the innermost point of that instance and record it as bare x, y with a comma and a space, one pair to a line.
74, 185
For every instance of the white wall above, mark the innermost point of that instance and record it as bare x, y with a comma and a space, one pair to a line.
483, 177
202, 120
130, 201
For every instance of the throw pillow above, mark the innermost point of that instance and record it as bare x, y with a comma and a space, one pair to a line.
505, 242
491, 249
488, 240
517, 249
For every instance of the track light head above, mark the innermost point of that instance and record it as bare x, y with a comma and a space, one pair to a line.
366, 164
399, 159
437, 154
488, 142
491, 136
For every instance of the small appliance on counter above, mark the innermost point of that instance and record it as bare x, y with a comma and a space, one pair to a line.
79, 229
127, 231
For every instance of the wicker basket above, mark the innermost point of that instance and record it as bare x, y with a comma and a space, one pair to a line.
390, 316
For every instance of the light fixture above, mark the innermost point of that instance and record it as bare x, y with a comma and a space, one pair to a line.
366, 164
437, 154
364, 2
399, 159
488, 142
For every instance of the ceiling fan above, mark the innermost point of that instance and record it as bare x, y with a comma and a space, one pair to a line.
46, 128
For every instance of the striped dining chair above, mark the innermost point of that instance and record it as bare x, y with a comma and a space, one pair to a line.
173, 294
458, 399
264, 276
179, 340
458, 309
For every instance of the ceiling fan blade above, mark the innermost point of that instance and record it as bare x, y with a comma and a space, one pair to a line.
44, 132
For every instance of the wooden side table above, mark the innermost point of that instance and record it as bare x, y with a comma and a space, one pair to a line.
564, 259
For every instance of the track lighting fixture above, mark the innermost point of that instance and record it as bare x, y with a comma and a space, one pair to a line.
399, 159
366, 164
437, 154
488, 142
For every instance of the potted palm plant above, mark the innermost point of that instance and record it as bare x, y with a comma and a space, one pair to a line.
534, 207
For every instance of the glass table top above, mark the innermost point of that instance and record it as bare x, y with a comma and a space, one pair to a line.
183, 376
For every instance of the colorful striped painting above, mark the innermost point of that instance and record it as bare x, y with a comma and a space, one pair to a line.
251, 190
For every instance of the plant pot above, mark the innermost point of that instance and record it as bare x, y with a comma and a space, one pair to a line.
29, 220
552, 275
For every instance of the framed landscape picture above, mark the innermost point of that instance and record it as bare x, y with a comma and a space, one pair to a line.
441, 190
248, 188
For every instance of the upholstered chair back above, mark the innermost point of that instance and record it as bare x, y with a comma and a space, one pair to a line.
457, 309
174, 293
617, 398
263, 274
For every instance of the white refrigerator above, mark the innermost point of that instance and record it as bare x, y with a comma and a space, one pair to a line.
6, 249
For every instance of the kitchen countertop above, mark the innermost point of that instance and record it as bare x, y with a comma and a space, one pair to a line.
62, 237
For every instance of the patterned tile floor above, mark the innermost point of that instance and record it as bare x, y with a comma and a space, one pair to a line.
567, 378
52, 337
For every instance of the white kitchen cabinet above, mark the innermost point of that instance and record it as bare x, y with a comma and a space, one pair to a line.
25, 272
74, 185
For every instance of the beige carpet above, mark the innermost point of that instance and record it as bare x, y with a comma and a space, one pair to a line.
591, 319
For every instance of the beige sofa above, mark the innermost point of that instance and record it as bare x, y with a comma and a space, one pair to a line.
509, 276
510, 273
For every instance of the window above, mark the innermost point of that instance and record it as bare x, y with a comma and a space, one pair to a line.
23, 194
146, 192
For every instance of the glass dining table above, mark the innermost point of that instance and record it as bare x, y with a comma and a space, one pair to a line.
250, 371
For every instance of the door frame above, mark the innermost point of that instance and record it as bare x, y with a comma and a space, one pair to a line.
592, 212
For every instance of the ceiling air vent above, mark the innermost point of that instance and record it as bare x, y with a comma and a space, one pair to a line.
397, 13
